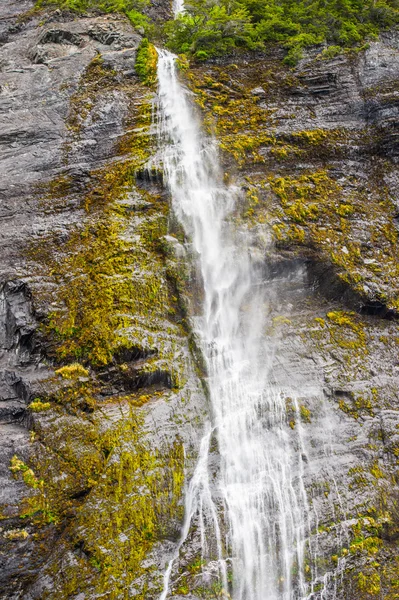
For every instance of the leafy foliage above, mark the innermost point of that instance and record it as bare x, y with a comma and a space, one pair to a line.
133, 9
211, 27
146, 62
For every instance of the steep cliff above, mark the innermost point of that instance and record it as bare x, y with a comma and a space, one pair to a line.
315, 150
92, 327
102, 399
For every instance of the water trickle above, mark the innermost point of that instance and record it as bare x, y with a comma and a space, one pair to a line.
257, 510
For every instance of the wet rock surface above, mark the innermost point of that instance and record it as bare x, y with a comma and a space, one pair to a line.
316, 157
72, 114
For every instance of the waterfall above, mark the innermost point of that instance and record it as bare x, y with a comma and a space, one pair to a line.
257, 508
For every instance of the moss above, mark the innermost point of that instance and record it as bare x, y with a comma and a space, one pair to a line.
369, 582
304, 198
52, 193
73, 371
16, 534
314, 210
131, 508
280, 321
131, 493
233, 113
115, 322
38, 406
353, 231
349, 321
146, 62
376, 471
111, 282
77, 393
96, 78
108, 284
358, 477
305, 414
37, 505
245, 128
372, 567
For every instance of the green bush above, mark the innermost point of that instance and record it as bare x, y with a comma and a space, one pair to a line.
213, 27
146, 62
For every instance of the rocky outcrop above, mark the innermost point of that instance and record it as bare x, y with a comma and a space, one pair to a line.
314, 149
91, 459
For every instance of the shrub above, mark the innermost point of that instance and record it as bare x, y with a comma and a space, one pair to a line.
146, 62
218, 26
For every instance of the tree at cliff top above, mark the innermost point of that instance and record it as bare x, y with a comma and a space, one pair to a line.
212, 27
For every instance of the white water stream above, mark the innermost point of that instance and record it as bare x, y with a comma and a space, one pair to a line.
257, 509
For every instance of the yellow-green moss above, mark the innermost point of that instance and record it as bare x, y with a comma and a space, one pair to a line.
96, 78
318, 137
36, 505
351, 323
355, 231
233, 113
72, 371
146, 62
16, 534
132, 496
304, 198
38, 406
305, 414
111, 283
92, 472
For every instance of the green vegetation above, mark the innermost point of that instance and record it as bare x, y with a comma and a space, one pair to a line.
112, 287
133, 9
132, 496
72, 371
38, 406
131, 506
146, 62
213, 27
232, 112
109, 280
96, 79
35, 506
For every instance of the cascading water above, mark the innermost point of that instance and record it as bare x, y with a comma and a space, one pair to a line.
258, 512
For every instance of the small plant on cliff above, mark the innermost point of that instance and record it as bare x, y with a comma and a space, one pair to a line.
38, 406
146, 62
72, 371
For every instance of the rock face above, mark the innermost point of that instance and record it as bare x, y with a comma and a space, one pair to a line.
101, 400
81, 250
315, 152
